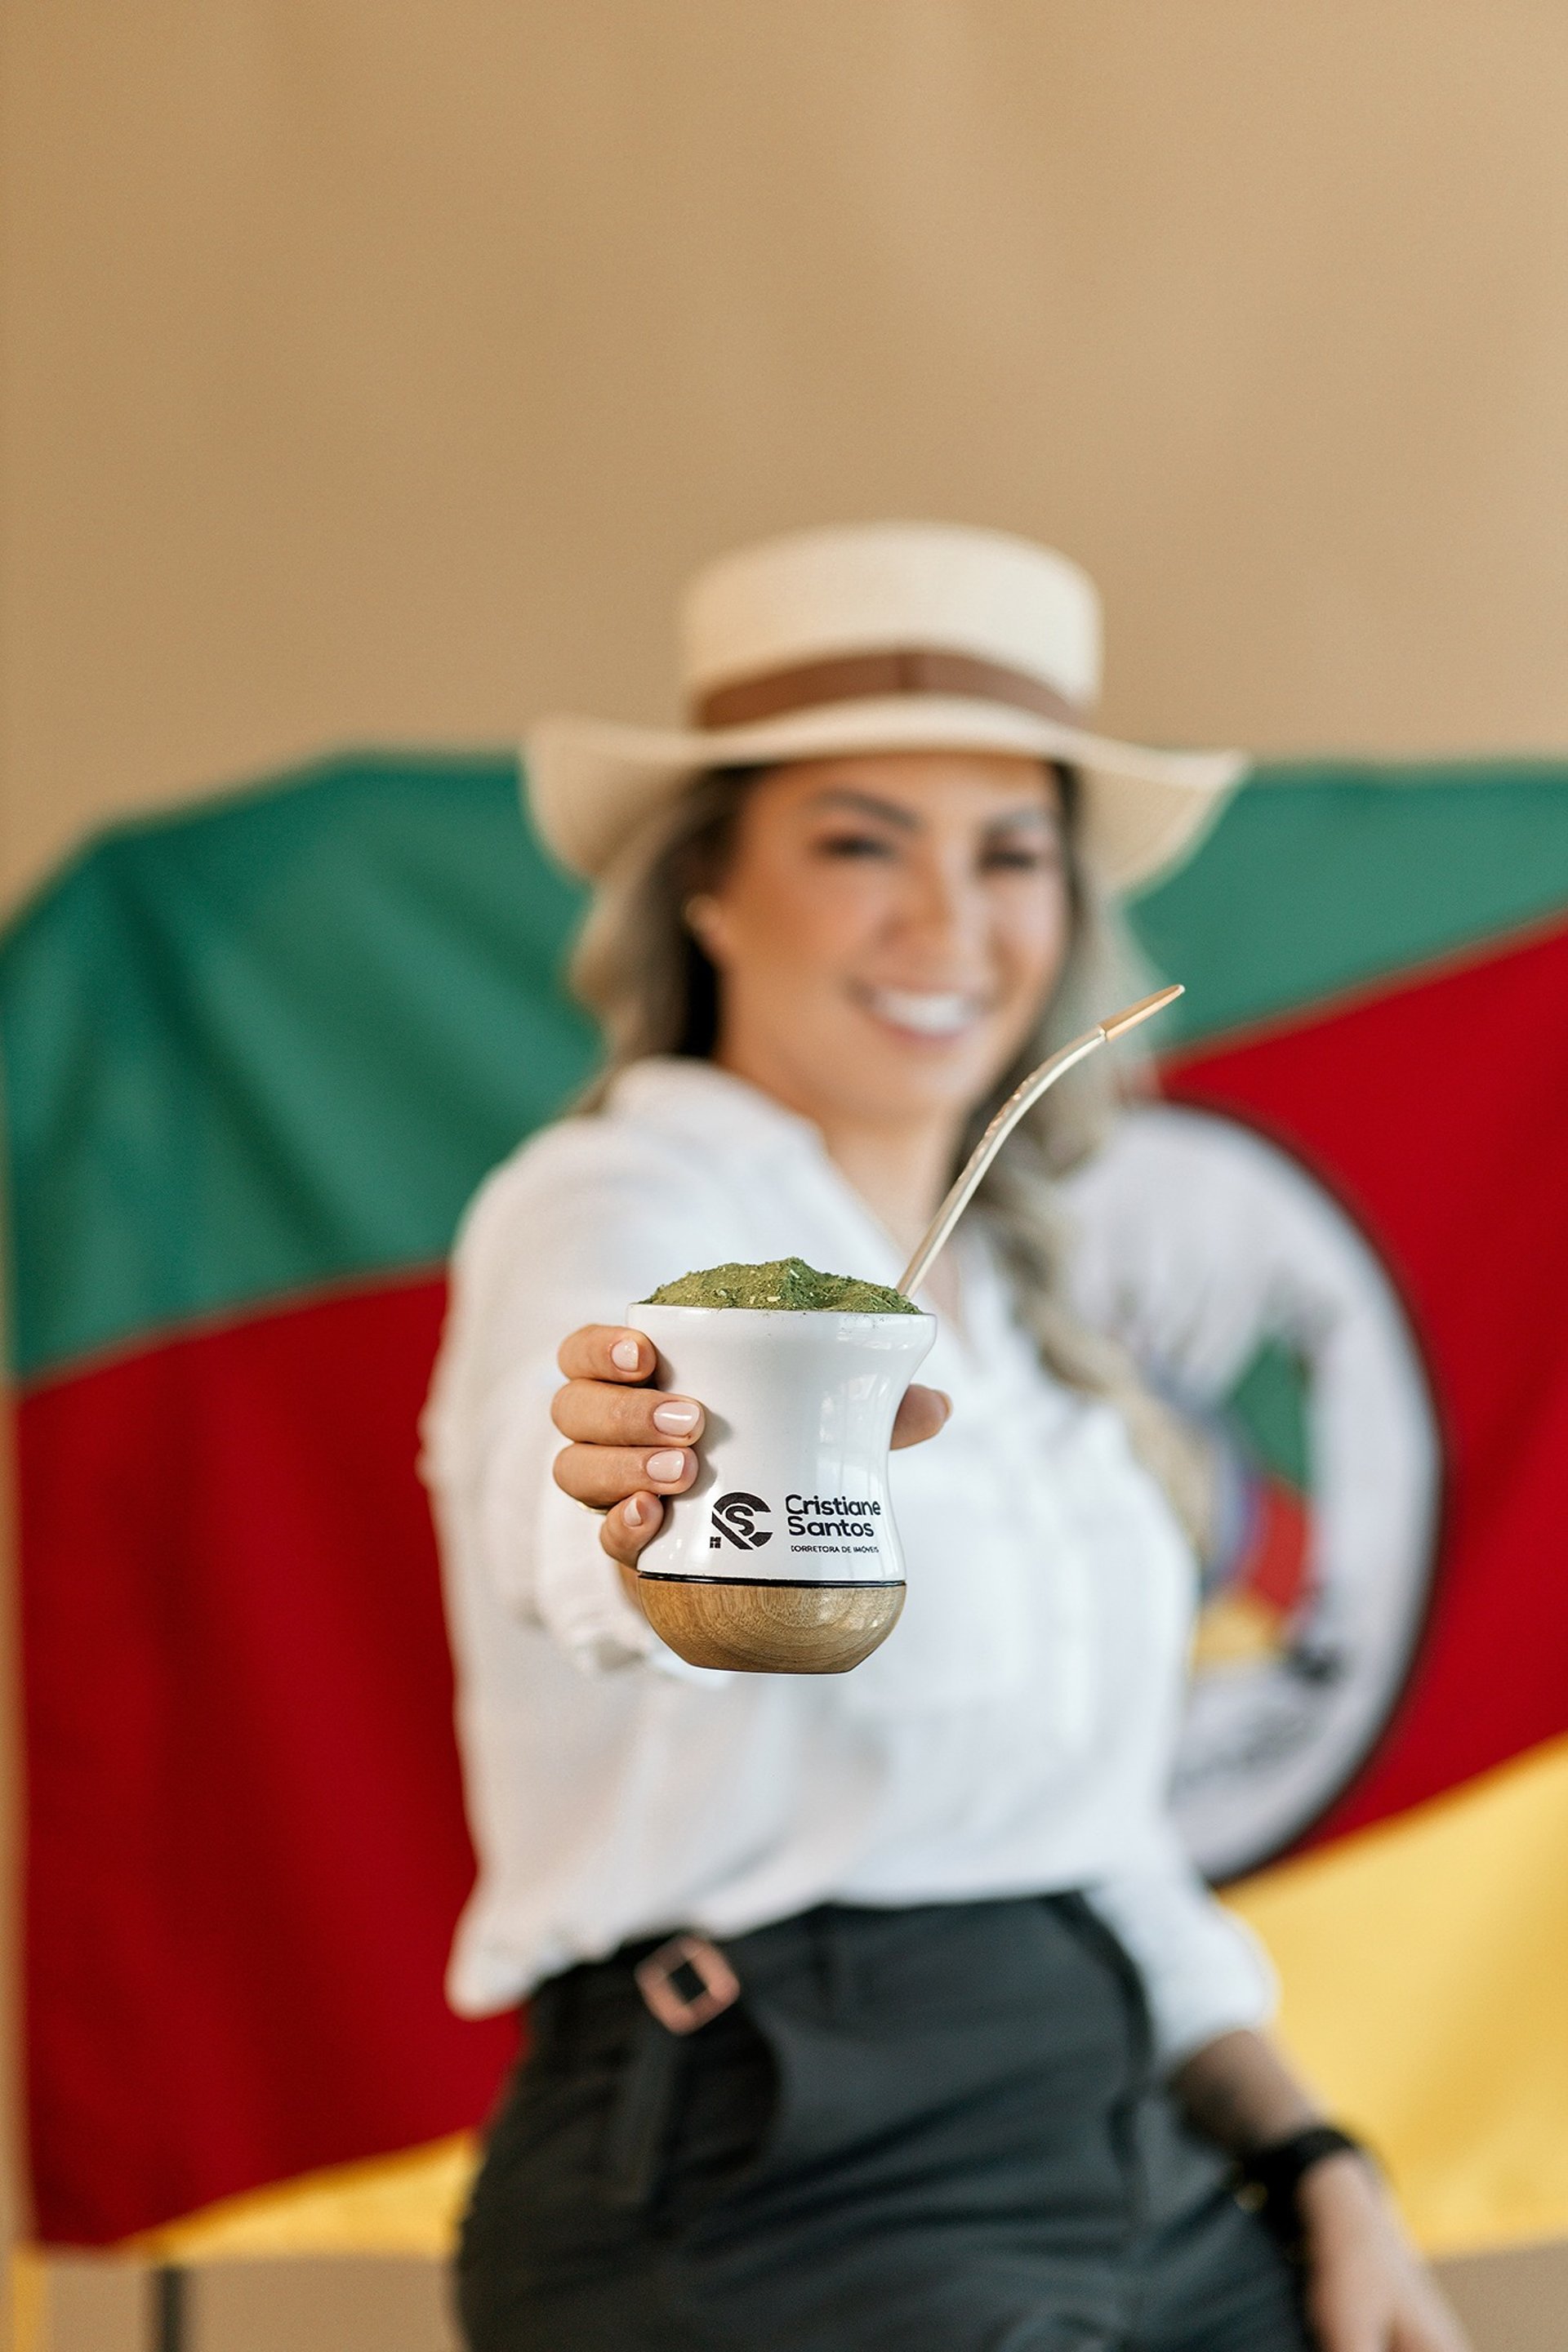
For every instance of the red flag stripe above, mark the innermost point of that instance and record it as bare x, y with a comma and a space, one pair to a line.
1438, 1113
247, 1848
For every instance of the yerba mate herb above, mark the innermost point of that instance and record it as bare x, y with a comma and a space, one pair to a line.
784, 1282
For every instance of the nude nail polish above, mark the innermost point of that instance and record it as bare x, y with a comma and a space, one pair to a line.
663, 1467
625, 1355
675, 1419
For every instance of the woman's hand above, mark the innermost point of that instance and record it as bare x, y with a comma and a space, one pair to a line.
630, 1446
1366, 2290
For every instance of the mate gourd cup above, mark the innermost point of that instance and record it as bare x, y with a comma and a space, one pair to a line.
793, 1476
781, 1558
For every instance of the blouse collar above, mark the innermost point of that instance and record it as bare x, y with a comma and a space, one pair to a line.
712, 1108
724, 1115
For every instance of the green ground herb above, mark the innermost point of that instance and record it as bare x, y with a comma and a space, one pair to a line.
784, 1282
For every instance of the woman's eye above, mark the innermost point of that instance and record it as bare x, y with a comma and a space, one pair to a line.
854, 844
1021, 858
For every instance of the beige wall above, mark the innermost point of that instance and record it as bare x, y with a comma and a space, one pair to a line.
377, 371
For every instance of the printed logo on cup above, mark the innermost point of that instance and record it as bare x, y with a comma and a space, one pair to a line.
734, 1517
832, 1515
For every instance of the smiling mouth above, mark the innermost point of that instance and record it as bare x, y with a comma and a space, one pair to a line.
938, 1013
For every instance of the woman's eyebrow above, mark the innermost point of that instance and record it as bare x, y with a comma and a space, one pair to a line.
1027, 813
1033, 813
865, 805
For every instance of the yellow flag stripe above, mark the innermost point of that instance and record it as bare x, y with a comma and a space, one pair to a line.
1425, 1970
405, 2204
1425, 1966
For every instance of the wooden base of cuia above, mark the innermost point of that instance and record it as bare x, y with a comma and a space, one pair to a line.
762, 1628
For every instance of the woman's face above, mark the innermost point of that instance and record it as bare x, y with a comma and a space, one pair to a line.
888, 929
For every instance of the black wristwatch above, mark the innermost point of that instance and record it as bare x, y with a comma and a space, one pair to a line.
1273, 2174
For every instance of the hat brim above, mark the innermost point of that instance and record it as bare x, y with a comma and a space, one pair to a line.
591, 782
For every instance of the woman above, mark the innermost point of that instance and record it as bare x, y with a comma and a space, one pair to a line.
996, 2056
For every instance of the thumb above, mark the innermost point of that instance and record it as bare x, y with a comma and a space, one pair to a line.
921, 1413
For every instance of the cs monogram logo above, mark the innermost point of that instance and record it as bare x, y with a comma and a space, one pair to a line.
734, 1519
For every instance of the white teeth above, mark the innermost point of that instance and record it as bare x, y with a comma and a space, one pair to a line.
934, 1014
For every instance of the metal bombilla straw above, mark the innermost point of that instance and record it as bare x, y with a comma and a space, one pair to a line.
1038, 1083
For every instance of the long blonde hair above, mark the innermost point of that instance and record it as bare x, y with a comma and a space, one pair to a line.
638, 967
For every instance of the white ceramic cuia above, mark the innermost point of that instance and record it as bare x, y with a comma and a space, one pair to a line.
782, 1557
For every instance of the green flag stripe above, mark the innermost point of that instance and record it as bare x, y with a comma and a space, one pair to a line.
1319, 877
273, 1042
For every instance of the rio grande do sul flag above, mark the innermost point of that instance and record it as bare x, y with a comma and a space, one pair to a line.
257, 1056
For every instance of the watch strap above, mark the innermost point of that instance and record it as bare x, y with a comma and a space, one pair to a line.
1274, 2172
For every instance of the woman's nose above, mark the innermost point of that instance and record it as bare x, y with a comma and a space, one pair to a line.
945, 908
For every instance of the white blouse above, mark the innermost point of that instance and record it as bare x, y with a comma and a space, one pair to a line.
1013, 1736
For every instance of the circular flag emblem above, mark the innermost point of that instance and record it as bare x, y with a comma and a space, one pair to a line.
1252, 1299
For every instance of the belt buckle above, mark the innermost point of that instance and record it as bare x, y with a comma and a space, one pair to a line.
680, 2011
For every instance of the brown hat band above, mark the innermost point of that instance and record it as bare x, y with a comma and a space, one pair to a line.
855, 678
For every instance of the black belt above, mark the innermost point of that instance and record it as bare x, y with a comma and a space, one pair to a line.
684, 1983
648, 2000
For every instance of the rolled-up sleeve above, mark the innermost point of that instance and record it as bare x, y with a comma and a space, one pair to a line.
1203, 1972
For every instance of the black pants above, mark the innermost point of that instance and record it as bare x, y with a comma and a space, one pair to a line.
928, 2130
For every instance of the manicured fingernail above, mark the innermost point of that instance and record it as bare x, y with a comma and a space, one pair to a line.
663, 1467
625, 1355
675, 1419
633, 1513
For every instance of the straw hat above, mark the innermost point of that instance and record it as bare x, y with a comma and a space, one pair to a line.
882, 637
